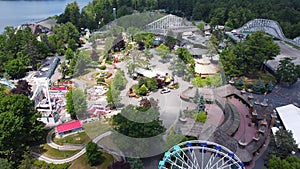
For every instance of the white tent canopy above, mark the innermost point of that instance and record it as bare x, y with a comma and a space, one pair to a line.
290, 117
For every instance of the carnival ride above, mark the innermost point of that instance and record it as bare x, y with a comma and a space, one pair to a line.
7, 83
198, 154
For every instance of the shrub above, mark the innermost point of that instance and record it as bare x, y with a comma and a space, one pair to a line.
151, 84
143, 90
135, 88
102, 67
109, 62
259, 87
174, 86
200, 117
101, 79
198, 81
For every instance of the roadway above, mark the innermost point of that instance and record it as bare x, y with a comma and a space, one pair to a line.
285, 51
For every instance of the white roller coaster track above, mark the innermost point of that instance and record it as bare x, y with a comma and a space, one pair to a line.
269, 26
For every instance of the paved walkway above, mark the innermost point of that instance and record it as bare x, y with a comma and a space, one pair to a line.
215, 115
74, 157
244, 132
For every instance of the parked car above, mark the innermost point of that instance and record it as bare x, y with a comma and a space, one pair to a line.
165, 90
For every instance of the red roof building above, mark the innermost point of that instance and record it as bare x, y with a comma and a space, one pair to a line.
70, 127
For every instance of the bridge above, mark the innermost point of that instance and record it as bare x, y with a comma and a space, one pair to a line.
269, 26
169, 23
7, 83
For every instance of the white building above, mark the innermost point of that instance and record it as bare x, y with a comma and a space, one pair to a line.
290, 117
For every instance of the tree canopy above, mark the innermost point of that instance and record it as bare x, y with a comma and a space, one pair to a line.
288, 71
18, 50
18, 116
291, 162
71, 14
247, 57
283, 144
93, 154
76, 103
142, 128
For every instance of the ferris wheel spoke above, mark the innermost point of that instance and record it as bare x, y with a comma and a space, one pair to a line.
217, 163
195, 160
226, 165
181, 159
209, 163
189, 160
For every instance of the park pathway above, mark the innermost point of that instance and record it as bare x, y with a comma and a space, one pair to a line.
245, 132
74, 157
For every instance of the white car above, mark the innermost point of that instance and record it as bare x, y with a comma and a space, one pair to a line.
165, 90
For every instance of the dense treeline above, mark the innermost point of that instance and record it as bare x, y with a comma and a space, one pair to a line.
233, 13
19, 128
20, 49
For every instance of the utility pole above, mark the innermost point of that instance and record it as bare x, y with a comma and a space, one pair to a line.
115, 16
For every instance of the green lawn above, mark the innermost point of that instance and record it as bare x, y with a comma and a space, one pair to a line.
53, 153
82, 163
264, 76
78, 138
95, 128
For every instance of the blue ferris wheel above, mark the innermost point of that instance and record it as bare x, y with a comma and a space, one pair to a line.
198, 154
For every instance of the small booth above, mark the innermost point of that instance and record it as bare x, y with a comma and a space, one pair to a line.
65, 129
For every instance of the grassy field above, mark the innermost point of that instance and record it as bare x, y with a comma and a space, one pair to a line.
53, 153
95, 128
82, 163
78, 138
264, 76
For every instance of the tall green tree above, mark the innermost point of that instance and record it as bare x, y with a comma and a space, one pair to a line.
178, 67
93, 154
83, 61
15, 68
64, 34
71, 14
283, 144
260, 47
185, 55
113, 96
17, 115
63, 69
164, 52
76, 103
119, 82
248, 57
288, 71
69, 54
134, 61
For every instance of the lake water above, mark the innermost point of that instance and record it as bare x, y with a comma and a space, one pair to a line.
14, 13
